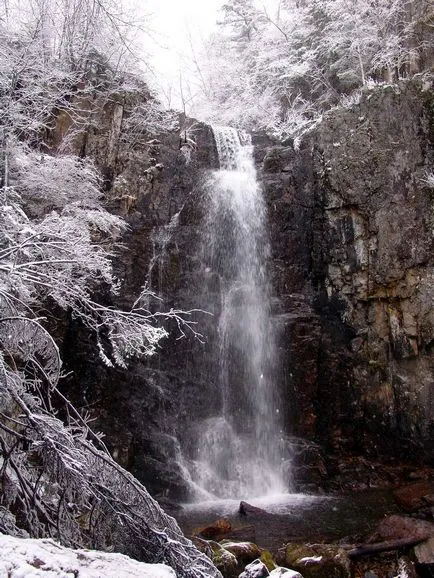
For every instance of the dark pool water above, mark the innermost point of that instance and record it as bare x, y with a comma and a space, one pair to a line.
297, 517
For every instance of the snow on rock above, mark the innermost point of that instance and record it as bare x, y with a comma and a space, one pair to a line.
406, 568
256, 569
284, 573
29, 558
309, 559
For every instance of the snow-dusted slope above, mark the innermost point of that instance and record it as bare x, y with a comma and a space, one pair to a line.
45, 558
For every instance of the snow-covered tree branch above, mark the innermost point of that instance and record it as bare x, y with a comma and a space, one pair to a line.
56, 247
261, 66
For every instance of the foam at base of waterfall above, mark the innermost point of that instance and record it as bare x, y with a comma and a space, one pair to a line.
228, 464
272, 504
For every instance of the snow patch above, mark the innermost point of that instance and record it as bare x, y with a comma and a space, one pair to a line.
310, 559
32, 558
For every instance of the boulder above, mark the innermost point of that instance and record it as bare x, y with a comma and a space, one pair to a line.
255, 569
402, 527
202, 545
215, 531
285, 573
318, 560
415, 496
244, 552
424, 553
224, 560
268, 559
246, 509
242, 534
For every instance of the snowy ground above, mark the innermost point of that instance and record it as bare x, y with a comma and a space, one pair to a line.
46, 559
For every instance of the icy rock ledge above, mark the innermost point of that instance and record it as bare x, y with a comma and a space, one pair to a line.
30, 558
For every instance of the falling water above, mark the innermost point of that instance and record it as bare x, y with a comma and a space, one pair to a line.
160, 238
239, 451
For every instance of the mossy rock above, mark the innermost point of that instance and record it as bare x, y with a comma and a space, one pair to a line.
318, 560
268, 560
244, 552
280, 572
224, 560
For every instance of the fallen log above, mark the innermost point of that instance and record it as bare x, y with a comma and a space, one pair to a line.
367, 549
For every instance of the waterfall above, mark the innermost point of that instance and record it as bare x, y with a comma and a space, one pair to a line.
160, 238
239, 450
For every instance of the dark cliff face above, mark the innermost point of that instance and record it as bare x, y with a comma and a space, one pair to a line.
151, 178
350, 217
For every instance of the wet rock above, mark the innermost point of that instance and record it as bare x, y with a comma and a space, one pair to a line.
242, 534
378, 566
285, 573
255, 569
418, 475
224, 560
202, 545
244, 552
215, 531
268, 559
415, 496
309, 463
276, 160
402, 527
247, 509
406, 568
169, 505
317, 560
424, 553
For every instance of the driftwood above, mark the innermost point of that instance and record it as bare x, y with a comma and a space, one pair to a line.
367, 549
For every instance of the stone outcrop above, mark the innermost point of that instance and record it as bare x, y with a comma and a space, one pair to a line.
351, 219
350, 216
399, 527
153, 165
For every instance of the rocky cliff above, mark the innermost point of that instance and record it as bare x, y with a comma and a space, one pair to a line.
350, 217
153, 164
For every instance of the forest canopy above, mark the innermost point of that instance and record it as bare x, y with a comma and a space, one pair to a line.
279, 66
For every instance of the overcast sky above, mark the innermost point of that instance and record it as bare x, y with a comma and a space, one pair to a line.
175, 22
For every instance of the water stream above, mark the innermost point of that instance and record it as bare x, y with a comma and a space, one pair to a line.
239, 450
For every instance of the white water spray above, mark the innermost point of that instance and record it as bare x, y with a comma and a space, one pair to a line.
239, 451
